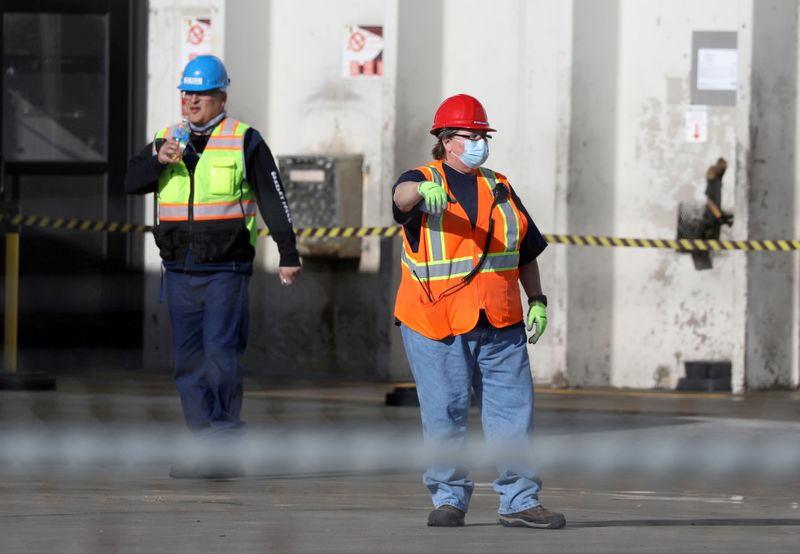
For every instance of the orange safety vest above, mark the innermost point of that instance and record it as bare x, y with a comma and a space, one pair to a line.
433, 298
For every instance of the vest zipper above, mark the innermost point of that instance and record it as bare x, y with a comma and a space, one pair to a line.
190, 214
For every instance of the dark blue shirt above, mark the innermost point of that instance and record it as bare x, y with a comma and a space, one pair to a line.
465, 190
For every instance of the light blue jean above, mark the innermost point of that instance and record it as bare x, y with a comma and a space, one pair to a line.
495, 363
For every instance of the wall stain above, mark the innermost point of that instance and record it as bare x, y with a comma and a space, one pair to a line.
560, 380
661, 377
662, 273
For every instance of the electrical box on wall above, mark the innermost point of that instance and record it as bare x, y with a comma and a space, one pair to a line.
324, 191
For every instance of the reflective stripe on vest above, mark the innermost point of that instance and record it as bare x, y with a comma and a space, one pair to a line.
226, 139
225, 210
503, 261
211, 210
509, 216
173, 212
435, 234
436, 271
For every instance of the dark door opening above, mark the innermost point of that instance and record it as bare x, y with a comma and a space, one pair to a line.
67, 108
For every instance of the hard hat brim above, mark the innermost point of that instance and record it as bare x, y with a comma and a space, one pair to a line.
200, 88
435, 130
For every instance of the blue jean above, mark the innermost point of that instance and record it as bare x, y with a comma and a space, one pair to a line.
495, 363
210, 316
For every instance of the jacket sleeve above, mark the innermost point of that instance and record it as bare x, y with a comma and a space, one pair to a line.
533, 243
144, 169
265, 179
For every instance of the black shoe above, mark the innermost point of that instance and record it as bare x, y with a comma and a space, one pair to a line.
446, 516
538, 517
228, 470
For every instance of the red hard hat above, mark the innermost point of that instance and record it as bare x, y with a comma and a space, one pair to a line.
462, 111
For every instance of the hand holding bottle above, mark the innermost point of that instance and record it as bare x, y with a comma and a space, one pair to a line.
172, 150
181, 134
169, 152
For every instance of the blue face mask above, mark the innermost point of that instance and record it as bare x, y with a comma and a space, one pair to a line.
476, 152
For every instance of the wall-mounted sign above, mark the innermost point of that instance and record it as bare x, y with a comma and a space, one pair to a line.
715, 68
195, 38
696, 124
362, 52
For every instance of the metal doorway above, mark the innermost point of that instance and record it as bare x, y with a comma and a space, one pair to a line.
67, 107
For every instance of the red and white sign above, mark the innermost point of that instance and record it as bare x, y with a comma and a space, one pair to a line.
362, 52
195, 41
696, 129
195, 38
196, 34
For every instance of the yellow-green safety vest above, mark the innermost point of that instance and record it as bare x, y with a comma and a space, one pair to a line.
221, 190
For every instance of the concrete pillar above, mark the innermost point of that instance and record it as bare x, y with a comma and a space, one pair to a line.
771, 279
591, 189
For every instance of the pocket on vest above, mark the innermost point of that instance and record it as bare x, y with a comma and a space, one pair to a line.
170, 239
223, 173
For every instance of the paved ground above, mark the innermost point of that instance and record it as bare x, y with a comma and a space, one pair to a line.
644, 505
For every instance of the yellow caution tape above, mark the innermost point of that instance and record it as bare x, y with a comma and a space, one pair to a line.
681, 245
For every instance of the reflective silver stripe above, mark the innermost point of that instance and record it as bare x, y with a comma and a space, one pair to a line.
173, 212
438, 270
435, 226
228, 126
437, 177
225, 142
225, 210
509, 215
506, 261
512, 226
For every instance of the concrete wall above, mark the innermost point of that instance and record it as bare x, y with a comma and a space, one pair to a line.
772, 288
592, 188
589, 99
654, 307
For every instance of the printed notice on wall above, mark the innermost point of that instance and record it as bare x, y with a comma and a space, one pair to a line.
717, 69
362, 50
195, 38
697, 124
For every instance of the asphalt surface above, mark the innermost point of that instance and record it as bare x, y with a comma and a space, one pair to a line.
632, 499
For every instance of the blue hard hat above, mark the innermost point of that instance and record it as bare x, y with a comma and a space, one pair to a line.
204, 73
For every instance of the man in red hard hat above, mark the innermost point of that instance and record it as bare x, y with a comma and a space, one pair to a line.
467, 244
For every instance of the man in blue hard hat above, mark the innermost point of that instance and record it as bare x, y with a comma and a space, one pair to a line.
211, 174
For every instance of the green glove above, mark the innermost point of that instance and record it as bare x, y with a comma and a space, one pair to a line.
536, 320
434, 197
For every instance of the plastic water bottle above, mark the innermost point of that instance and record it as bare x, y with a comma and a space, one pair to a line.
181, 135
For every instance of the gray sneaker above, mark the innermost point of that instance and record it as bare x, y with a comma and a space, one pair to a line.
446, 516
538, 517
